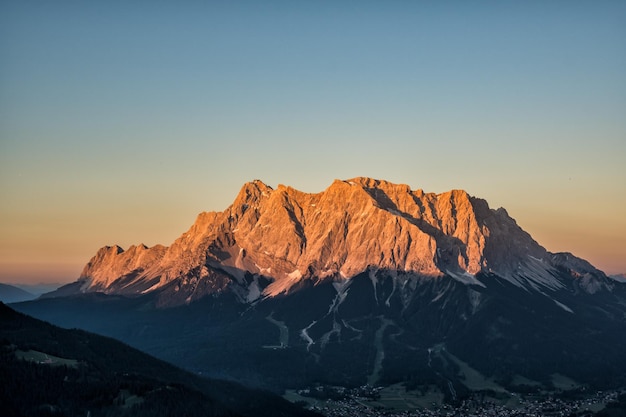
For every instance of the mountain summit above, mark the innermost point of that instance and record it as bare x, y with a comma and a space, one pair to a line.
271, 241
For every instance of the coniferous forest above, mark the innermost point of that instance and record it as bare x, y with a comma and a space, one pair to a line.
49, 371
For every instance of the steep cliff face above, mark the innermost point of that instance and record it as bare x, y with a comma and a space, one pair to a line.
112, 262
270, 241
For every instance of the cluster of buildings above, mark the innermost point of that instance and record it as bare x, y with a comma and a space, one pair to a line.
525, 407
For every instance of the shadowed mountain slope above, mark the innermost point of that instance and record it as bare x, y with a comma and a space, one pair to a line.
47, 370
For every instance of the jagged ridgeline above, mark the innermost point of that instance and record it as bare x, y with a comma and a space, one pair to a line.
365, 282
282, 238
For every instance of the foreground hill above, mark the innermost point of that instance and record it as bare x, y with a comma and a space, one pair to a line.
51, 371
365, 282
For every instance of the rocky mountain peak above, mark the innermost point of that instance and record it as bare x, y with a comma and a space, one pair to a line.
112, 262
252, 192
285, 237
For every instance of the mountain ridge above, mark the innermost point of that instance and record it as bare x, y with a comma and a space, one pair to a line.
269, 240
12, 294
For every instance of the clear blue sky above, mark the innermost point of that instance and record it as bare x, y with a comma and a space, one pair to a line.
120, 122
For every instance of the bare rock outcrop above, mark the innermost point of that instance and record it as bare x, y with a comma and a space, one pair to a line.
269, 240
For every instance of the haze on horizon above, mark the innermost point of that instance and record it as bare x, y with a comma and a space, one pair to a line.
120, 123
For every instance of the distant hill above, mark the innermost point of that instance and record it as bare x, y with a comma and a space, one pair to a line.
13, 294
38, 289
619, 277
47, 370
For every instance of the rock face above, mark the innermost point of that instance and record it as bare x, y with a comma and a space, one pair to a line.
269, 241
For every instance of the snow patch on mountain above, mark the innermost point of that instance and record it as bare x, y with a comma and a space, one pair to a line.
281, 286
466, 278
393, 289
563, 306
152, 288
336, 329
305, 335
533, 274
342, 292
254, 290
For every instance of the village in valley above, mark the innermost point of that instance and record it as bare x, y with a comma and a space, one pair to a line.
367, 401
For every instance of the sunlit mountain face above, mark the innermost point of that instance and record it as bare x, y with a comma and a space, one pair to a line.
367, 282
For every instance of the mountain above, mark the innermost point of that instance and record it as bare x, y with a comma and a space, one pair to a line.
40, 288
619, 277
51, 371
13, 294
365, 282
270, 242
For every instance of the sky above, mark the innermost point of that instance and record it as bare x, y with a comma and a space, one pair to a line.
121, 121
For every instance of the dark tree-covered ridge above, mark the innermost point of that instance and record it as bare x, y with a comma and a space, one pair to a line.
104, 377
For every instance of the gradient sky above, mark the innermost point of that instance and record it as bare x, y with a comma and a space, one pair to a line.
119, 123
